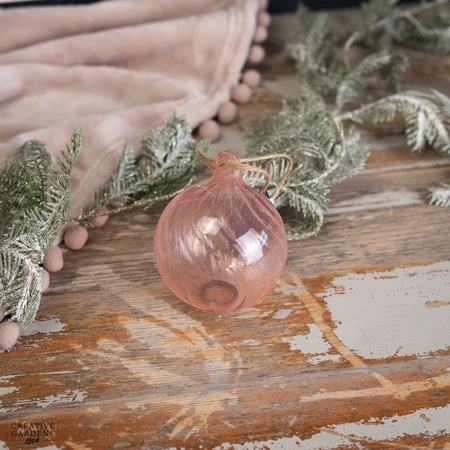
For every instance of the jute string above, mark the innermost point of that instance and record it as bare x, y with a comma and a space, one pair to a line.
240, 165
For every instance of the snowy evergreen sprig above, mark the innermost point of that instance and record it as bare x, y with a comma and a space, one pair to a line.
439, 196
316, 130
165, 168
425, 115
425, 26
324, 153
34, 199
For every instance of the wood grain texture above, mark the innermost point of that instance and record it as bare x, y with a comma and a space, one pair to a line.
351, 349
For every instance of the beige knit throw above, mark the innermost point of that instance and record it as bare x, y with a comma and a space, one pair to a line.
118, 68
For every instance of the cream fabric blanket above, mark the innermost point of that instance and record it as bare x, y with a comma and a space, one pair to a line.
118, 68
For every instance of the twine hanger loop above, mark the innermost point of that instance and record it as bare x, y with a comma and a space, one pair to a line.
241, 165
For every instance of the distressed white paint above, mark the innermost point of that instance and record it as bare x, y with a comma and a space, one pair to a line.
59, 372
321, 441
322, 358
3, 446
64, 397
382, 314
7, 390
49, 447
312, 343
426, 421
251, 342
49, 324
381, 200
6, 378
282, 314
67, 396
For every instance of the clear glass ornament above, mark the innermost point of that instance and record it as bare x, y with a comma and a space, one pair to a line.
220, 245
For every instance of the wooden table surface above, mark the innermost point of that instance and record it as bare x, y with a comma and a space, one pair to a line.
351, 349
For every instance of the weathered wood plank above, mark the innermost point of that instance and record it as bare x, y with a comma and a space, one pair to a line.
350, 350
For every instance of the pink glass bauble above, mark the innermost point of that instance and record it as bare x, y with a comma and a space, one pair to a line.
220, 245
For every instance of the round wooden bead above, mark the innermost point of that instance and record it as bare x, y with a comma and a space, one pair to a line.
62, 230
260, 35
227, 112
118, 203
101, 220
209, 130
53, 260
9, 333
251, 78
264, 19
141, 164
75, 237
45, 280
241, 93
256, 54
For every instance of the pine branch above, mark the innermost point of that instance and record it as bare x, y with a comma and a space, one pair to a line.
389, 65
354, 157
169, 150
324, 150
26, 174
123, 181
34, 203
320, 67
308, 133
439, 196
309, 182
276, 170
315, 52
309, 200
306, 124
165, 169
381, 17
425, 114
413, 33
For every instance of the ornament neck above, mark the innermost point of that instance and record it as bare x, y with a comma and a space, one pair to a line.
228, 166
226, 158
234, 161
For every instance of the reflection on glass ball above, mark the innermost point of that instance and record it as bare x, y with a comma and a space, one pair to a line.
220, 245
